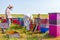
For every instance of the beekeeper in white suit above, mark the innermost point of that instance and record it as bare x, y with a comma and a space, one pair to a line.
26, 22
8, 14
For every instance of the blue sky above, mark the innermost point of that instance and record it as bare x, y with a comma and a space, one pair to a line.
31, 6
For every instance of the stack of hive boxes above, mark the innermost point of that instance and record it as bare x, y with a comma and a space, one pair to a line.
21, 21
44, 22
15, 21
43, 27
54, 24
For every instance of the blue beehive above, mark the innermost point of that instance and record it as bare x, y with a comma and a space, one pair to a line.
43, 28
21, 21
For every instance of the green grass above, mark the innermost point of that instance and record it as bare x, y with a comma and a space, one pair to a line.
25, 35
14, 15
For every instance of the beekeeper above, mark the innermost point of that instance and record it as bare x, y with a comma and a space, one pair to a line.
8, 14
26, 22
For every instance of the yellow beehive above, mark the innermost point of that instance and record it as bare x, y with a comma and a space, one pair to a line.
44, 16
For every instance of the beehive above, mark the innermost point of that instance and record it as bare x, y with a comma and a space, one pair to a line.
44, 16
54, 24
44, 22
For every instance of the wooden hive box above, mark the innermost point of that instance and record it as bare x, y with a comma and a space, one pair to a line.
54, 24
13, 34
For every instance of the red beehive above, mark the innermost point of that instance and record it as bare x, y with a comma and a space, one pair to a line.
18, 23
3, 20
15, 22
44, 21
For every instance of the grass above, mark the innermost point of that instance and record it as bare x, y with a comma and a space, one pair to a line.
26, 35
14, 15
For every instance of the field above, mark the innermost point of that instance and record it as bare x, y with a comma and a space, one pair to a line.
24, 34
14, 15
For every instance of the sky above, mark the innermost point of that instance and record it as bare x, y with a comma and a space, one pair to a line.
31, 6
